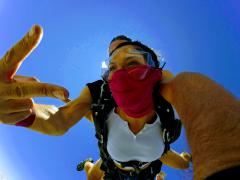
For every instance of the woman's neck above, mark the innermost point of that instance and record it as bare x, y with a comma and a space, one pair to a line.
136, 124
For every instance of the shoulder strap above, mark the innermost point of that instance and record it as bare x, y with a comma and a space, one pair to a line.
171, 127
102, 104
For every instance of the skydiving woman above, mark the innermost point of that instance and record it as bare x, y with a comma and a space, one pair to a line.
140, 124
171, 158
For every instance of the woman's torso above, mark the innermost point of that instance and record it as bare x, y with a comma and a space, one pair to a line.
124, 145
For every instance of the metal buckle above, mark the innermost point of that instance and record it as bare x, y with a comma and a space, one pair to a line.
101, 139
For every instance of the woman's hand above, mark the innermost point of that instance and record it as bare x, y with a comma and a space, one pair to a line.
176, 160
16, 91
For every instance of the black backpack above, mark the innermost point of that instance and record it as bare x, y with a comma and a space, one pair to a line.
103, 103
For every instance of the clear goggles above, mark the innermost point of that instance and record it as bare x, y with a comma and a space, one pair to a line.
134, 54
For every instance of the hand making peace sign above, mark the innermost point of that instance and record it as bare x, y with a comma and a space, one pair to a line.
16, 91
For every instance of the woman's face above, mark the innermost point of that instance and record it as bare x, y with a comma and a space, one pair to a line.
125, 57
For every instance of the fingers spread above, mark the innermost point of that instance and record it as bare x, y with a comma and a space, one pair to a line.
13, 118
12, 60
15, 105
28, 90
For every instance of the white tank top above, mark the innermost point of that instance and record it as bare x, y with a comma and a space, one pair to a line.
123, 145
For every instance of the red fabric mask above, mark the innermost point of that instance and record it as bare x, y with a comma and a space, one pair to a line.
132, 89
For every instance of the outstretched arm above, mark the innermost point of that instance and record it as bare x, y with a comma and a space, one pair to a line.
16, 105
210, 115
189, 92
56, 121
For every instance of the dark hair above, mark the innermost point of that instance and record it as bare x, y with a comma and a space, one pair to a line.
143, 47
121, 37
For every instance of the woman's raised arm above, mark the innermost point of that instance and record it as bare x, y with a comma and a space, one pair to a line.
56, 121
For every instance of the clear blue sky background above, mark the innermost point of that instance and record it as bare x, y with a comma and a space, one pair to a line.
201, 36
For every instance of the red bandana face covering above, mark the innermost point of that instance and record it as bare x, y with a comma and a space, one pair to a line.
132, 89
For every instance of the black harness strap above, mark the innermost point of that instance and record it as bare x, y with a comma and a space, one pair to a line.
146, 174
171, 127
101, 106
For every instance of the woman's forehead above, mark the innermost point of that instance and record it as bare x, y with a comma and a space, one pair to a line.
114, 44
124, 50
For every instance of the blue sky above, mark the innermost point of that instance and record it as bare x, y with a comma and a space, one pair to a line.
199, 36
